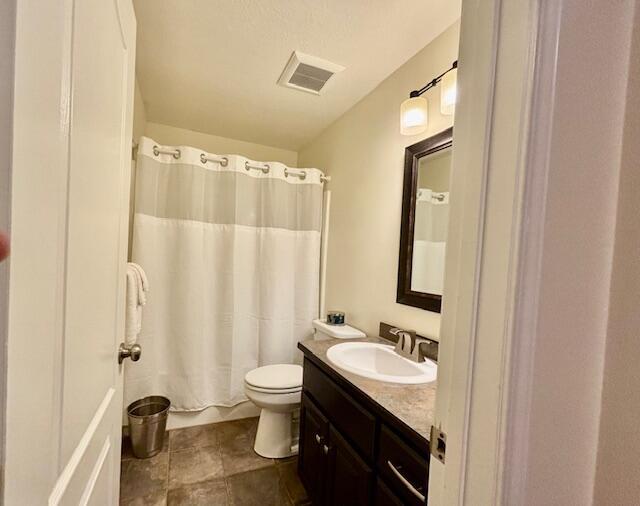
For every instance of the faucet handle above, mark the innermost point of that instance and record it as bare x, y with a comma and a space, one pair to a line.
420, 355
397, 332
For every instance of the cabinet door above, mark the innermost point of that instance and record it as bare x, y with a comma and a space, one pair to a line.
313, 451
351, 480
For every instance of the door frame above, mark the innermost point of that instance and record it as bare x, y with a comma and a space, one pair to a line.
505, 344
7, 42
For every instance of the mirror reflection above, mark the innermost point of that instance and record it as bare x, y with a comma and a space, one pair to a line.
431, 219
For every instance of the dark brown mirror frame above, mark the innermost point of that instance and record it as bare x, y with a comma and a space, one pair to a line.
413, 153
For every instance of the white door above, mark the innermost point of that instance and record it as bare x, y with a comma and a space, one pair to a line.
73, 106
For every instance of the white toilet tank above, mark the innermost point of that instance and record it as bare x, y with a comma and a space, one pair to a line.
322, 330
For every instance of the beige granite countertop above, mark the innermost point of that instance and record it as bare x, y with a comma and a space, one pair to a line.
412, 404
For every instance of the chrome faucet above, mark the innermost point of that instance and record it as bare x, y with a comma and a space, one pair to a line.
408, 345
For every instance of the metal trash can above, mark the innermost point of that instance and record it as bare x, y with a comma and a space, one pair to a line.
147, 424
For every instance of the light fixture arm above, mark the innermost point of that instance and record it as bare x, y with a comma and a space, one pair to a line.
433, 82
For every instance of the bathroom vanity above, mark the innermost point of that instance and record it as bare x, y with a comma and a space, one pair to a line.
362, 441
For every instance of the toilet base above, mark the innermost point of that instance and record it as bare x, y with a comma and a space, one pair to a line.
274, 438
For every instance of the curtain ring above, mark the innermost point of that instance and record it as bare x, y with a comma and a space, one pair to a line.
265, 169
224, 161
177, 154
302, 175
155, 150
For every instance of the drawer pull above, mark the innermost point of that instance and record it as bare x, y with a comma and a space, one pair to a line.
406, 483
325, 448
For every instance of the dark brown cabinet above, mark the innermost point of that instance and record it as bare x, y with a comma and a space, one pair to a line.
402, 468
351, 478
384, 496
314, 450
349, 456
331, 470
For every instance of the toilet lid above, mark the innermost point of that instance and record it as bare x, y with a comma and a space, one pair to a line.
275, 377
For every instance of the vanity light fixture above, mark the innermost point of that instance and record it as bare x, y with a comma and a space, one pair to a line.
414, 112
448, 91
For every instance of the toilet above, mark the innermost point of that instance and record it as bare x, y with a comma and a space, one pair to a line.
322, 330
277, 390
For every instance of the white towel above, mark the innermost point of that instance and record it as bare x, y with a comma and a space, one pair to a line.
137, 286
143, 283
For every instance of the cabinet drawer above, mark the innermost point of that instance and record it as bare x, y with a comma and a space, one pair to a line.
403, 469
384, 496
353, 421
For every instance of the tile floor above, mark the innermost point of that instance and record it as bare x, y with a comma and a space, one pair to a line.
210, 465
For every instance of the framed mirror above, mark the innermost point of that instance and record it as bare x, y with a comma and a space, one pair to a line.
425, 217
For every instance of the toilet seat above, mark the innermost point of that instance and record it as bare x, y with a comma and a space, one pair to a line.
273, 391
276, 379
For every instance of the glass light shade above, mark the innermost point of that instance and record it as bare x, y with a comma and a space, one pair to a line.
413, 116
448, 92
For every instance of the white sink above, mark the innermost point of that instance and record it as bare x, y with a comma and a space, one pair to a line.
380, 362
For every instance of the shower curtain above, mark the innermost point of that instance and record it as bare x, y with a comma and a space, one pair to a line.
232, 252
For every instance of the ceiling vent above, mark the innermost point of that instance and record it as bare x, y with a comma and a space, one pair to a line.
307, 73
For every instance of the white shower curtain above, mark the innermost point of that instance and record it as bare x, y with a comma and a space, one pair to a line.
232, 254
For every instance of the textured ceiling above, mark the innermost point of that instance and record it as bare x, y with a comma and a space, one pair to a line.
213, 65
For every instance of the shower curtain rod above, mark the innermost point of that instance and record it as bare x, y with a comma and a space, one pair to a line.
223, 161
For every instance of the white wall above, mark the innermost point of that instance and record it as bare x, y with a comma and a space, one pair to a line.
434, 172
618, 469
169, 135
363, 152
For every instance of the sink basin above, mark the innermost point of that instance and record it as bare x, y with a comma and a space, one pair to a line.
380, 362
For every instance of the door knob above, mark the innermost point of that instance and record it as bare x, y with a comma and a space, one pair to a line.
133, 352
